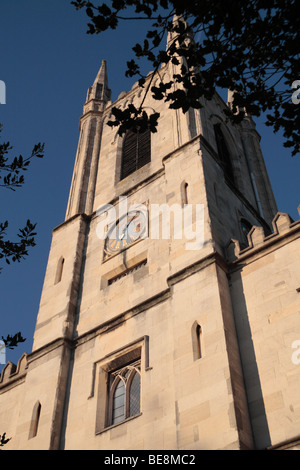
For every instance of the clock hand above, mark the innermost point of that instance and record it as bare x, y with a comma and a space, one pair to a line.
126, 229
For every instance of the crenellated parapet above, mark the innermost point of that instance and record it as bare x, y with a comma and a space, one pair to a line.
12, 372
284, 228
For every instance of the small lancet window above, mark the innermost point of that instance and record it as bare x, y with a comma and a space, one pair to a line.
197, 341
223, 153
134, 394
136, 151
118, 406
184, 193
59, 270
35, 420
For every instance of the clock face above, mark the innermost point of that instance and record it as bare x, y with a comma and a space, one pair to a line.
128, 230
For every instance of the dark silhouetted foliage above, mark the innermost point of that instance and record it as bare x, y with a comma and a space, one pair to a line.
250, 47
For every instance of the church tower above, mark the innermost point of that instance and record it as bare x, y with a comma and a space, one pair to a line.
145, 338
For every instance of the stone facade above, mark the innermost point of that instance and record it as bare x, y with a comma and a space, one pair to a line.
212, 328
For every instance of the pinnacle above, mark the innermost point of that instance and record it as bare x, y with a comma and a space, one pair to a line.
100, 89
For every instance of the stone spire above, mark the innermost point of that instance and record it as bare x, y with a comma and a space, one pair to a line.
99, 90
81, 197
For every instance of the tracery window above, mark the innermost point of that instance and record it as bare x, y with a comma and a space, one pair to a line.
136, 151
124, 393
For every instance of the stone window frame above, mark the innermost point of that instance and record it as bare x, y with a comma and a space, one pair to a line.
126, 356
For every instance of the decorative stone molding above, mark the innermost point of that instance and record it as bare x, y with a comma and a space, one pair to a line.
283, 227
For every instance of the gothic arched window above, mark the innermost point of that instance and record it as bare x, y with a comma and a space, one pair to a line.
35, 420
118, 403
197, 341
136, 151
223, 153
124, 393
184, 189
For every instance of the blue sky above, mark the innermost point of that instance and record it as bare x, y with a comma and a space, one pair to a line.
48, 62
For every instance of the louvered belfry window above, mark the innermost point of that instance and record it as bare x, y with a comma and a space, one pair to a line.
136, 152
